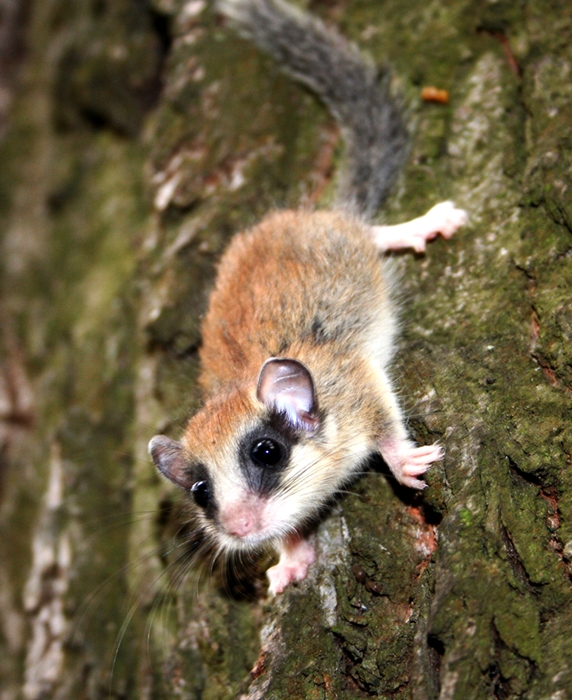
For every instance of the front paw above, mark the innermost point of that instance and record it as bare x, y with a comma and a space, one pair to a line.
407, 462
296, 557
281, 576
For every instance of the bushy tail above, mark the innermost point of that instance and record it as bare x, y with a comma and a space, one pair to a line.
330, 66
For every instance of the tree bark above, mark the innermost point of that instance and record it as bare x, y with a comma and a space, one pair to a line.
140, 137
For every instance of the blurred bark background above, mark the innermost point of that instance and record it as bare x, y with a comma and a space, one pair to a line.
136, 137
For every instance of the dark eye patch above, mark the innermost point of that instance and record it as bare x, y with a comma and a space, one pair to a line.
264, 454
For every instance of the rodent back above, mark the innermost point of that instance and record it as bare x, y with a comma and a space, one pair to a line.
299, 284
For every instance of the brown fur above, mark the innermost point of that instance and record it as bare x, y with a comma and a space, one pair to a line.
300, 284
300, 327
311, 287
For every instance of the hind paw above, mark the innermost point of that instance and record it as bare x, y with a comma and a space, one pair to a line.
444, 218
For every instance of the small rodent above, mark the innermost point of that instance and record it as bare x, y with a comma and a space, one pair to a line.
301, 325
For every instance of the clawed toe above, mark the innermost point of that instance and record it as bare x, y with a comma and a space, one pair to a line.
447, 218
420, 459
444, 218
407, 461
296, 557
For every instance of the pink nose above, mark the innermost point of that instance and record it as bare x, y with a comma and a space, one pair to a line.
243, 518
240, 527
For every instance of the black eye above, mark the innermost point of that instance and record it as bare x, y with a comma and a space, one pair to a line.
266, 452
201, 493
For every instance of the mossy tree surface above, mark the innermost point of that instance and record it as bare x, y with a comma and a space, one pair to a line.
141, 136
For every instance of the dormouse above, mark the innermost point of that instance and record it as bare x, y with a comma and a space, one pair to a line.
300, 329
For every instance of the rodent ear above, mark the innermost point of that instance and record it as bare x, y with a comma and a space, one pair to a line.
169, 459
287, 386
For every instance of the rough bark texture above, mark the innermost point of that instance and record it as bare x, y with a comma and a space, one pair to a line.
140, 137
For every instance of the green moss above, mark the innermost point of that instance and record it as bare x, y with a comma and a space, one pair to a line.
517, 622
465, 516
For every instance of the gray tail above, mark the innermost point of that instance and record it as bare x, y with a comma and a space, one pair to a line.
321, 59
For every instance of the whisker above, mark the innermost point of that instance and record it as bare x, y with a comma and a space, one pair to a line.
134, 607
129, 519
181, 567
92, 597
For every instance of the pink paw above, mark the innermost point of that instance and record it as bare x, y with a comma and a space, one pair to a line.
443, 218
407, 461
295, 559
281, 576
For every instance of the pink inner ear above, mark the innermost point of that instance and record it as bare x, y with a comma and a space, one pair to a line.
287, 385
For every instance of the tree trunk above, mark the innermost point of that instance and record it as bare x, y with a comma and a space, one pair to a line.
140, 137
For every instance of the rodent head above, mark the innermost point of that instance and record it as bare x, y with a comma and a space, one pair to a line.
244, 457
